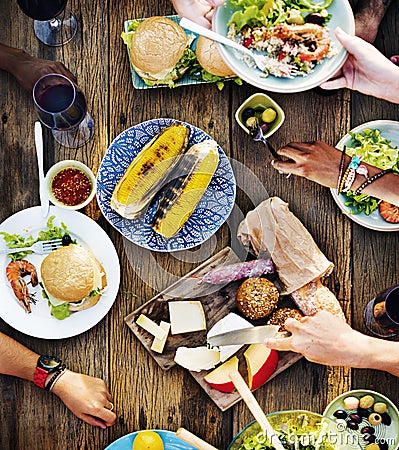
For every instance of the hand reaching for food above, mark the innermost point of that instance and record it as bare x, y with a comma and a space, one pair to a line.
366, 70
87, 397
200, 11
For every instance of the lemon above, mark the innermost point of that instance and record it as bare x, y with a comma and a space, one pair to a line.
147, 440
268, 115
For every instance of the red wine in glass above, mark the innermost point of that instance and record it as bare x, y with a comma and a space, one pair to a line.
381, 315
61, 106
54, 24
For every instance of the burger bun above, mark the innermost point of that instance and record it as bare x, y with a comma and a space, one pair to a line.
210, 59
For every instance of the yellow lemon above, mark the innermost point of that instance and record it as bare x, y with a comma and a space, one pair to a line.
147, 440
268, 115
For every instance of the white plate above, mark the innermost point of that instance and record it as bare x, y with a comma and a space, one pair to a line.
390, 130
40, 323
341, 16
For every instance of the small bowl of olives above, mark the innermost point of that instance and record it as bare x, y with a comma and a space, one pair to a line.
260, 109
371, 417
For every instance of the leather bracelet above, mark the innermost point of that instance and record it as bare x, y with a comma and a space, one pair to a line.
341, 167
49, 386
371, 179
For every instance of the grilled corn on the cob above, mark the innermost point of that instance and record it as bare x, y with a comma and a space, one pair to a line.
181, 196
149, 170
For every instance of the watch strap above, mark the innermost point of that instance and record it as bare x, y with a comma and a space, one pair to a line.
39, 377
57, 374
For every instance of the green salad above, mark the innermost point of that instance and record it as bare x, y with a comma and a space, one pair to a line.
377, 151
295, 433
269, 13
16, 240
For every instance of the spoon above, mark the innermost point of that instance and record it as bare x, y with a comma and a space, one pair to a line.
255, 409
193, 440
192, 26
44, 200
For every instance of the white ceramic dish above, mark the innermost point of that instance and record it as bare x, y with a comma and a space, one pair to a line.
341, 15
69, 164
40, 323
390, 130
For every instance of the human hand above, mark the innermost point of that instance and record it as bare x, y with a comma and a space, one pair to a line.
366, 70
324, 339
87, 397
316, 161
199, 11
27, 69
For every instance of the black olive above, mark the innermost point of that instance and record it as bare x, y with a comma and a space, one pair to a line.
363, 412
66, 240
369, 438
383, 445
340, 414
352, 425
316, 18
355, 417
247, 113
386, 419
367, 430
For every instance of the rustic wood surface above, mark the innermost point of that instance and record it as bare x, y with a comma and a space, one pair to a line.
145, 396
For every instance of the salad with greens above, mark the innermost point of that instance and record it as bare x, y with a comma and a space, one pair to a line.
291, 34
377, 151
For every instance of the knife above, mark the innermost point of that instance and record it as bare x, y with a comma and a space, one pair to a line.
253, 335
44, 200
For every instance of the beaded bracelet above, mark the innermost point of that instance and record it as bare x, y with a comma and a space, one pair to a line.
350, 173
49, 386
341, 166
371, 179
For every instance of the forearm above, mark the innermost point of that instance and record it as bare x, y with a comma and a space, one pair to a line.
372, 10
16, 360
380, 354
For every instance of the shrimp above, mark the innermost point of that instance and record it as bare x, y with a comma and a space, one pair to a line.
314, 38
15, 272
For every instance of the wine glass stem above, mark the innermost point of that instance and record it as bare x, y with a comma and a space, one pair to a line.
55, 24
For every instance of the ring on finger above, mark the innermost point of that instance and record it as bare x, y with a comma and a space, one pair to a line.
112, 406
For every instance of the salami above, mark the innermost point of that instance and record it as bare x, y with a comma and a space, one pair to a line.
234, 272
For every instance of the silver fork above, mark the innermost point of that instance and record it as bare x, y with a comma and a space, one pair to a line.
259, 59
40, 247
192, 26
256, 134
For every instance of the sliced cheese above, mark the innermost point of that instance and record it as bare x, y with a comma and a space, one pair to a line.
186, 317
197, 358
159, 344
230, 322
150, 326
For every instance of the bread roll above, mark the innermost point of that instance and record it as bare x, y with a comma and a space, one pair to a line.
256, 298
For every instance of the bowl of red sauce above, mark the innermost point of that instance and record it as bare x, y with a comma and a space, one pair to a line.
70, 184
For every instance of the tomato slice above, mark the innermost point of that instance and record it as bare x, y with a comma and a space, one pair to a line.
389, 212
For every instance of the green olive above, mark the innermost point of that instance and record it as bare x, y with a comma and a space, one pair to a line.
380, 408
268, 115
366, 402
252, 122
294, 16
375, 419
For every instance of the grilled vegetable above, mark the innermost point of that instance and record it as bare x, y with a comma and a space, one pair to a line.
180, 198
148, 172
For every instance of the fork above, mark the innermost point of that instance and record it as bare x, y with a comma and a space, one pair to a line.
256, 134
192, 26
41, 247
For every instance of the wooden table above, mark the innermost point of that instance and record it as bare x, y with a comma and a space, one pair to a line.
145, 396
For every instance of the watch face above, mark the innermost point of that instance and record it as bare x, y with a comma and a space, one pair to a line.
49, 362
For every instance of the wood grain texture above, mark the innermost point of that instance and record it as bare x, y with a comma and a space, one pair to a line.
144, 395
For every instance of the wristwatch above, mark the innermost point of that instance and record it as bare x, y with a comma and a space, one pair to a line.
46, 364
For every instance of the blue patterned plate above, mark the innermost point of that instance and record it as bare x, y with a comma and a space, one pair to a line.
212, 211
169, 438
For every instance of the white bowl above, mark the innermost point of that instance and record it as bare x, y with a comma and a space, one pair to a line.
69, 164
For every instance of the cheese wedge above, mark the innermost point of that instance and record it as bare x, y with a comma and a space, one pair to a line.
186, 316
197, 358
150, 326
159, 344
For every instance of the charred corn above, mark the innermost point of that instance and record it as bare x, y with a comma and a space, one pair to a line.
181, 196
148, 172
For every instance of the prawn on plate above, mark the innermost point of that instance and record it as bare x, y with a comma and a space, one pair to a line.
15, 271
313, 39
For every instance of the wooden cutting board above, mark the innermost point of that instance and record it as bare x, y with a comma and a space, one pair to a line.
217, 302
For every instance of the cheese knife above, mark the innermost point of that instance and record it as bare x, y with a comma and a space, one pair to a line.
253, 335
44, 200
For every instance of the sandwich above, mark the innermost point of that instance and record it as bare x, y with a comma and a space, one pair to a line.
159, 50
72, 280
212, 67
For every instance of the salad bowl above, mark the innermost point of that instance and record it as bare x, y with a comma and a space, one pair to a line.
296, 427
341, 16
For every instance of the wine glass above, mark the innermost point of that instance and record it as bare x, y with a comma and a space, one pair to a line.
381, 315
61, 106
54, 24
